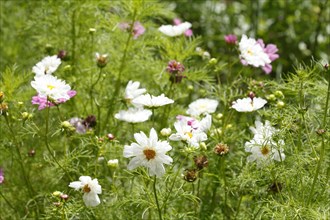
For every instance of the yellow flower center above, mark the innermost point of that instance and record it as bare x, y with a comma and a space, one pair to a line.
51, 87
265, 150
189, 134
86, 189
149, 153
249, 52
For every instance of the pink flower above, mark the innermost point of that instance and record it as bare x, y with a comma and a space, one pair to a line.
2, 176
270, 50
187, 33
44, 103
175, 69
231, 39
137, 30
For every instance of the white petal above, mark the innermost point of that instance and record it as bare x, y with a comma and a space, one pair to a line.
91, 199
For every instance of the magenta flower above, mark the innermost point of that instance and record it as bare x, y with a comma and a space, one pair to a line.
175, 69
138, 29
44, 103
2, 176
270, 50
187, 33
231, 39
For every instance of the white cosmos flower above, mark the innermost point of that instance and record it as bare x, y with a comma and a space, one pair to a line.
132, 90
134, 115
202, 106
46, 66
185, 132
50, 86
248, 104
148, 152
151, 101
175, 30
90, 189
252, 52
262, 146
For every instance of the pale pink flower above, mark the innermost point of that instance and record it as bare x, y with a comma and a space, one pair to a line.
44, 103
270, 50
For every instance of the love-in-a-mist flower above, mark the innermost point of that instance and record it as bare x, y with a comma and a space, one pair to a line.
148, 152
44, 103
270, 50
134, 115
187, 33
262, 146
133, 91
151, 101
252, 53
50, 87
46, 66
231, 39
175, 30
202, 106
185, 132
90, 188
248, 104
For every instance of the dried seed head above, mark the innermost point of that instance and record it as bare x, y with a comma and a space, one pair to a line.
190, 175
201, 162
221, 149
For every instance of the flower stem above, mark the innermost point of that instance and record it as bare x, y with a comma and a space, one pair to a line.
322, 153
157, 203
48, 146
8, 203
20, 159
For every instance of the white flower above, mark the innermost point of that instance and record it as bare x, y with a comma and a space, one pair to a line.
132, 90
46, 66
148, 152
50, 86
113, 163
201, 106
185, 132
248, 104
134, 115
152, 101
175, 30
252, 53
90, 188
262, 146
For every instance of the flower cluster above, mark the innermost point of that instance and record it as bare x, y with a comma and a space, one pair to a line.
262, 146
255, 53
51, 90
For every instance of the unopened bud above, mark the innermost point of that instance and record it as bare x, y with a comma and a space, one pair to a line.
203, 146
65, 124
166, 132
92, 30
190, 88
101, 60
280, 104
25, 115
113, 163
271, 97
252, 95
31, 153
110, 136
219, 116
64, 197
279, 94
213, 61
57, 193
2, 96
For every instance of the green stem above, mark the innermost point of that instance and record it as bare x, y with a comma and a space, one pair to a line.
324, 123
121, 69
20, 159
157, 203
238, 206
48, 146
8, 203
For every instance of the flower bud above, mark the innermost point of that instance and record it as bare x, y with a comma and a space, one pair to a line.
65, 124
190, 88
3, 108
92, 30
203, 146
320, 131
57, 193
252, 95
101, 60
110, 137
280, 104
113, 163
25, 115
229, 126
231, 39
64, 197
31, 153
279, 94
219, 116
213, 61
271, 97
49, 48
166, 132
67, 68
2, 96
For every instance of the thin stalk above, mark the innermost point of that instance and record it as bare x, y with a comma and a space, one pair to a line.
322, 153
238, 206
157, 203
121, 69
20, 159
8, 203
48, 146
92, 89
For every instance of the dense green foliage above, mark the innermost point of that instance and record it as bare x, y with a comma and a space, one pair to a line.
40, 155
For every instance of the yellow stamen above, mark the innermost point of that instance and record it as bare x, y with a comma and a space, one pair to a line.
51, 87
149, 153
